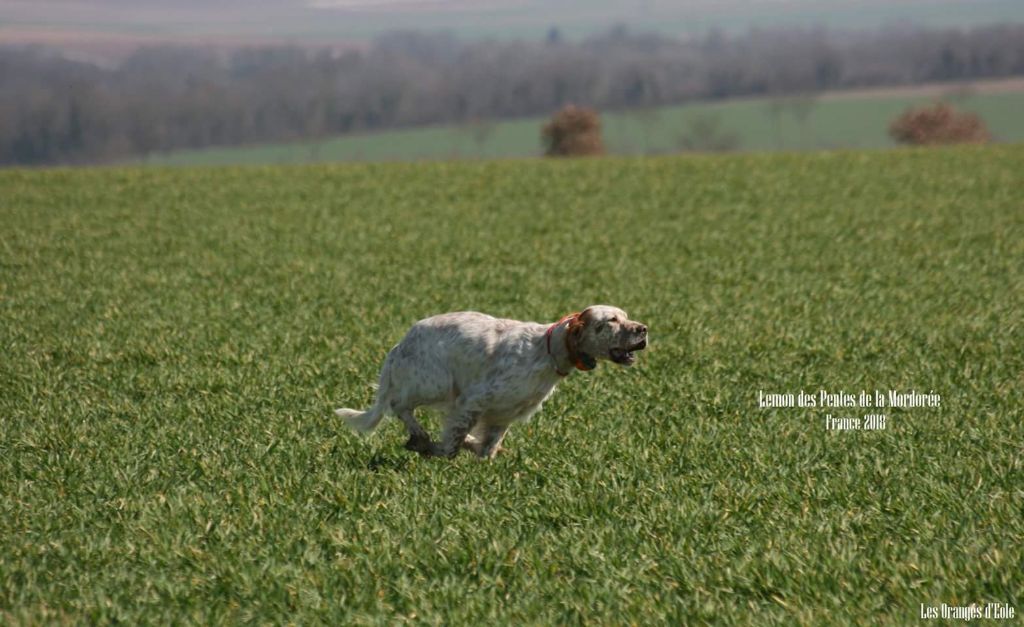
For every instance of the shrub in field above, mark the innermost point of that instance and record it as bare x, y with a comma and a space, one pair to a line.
938, 124
573, 132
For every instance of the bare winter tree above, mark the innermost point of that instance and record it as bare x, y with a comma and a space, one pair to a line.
53, 110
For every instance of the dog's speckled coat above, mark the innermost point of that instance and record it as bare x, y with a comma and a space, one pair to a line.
486, 373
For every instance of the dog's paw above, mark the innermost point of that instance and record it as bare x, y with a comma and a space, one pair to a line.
473, 445
420, 445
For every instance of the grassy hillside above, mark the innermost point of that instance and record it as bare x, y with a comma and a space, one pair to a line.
757, 124
174, 341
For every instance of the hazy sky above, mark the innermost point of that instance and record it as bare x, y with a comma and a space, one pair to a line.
108, 27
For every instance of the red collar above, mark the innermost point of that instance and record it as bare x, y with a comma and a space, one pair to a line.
575, 359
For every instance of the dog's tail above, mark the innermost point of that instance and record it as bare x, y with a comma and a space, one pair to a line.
362, 421
367, 421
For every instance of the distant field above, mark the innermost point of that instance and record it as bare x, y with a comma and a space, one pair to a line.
174, 340
836, 120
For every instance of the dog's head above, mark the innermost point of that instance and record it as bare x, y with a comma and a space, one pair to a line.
603, 332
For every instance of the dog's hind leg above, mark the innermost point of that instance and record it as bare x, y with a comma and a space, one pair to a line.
485, 440
419, 439
475, 439
457, 426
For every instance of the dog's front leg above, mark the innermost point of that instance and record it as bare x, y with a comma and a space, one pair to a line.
490, 445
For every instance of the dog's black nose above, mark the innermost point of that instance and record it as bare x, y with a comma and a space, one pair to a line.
643, 329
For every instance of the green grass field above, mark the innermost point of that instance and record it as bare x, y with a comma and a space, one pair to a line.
854, 122
174, 341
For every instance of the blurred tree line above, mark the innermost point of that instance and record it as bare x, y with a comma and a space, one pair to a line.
55, 110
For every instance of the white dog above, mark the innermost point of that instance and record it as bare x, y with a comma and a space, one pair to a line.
485, 373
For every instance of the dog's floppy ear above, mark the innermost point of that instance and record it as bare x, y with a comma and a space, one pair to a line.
575, 326
574, 332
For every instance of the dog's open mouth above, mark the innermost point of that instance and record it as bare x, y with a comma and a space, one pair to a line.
626, 356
